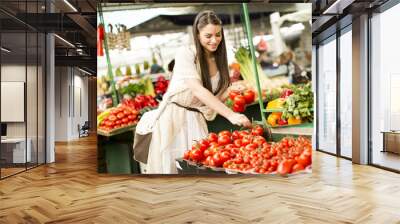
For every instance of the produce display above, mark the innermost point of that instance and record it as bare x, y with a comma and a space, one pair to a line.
299, 104
238, 100
140, 102
117, 117
294, 106
247, 151
130, 86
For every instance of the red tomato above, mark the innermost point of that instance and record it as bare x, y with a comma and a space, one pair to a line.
304, 160
233, 94
238, 142
207, 153
131, 117
112, 118
229, 147
208, 160
196, 155
186, 155
217, 160
239, 108
127, 112
109, 123
246, 141
225, 132
120, 115
246, 159
251, 147
225, 156
224, 139
297, 167
238, 160
212, 137
249, 96
235, 135
285, 167
259, 140
125, 120
257, 130
203, 144
234, 151
239, 100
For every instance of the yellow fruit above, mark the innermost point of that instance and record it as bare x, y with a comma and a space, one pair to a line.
271, 120
294, 120
276, 115
276, 104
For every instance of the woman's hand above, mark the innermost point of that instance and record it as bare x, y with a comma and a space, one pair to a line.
214, 103
239, 119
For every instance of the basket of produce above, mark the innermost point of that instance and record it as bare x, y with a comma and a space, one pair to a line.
294, 107
249, 152
117, 120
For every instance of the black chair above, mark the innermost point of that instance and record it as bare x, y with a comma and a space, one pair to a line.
84, 130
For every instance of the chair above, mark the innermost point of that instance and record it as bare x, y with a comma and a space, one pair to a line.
84, 130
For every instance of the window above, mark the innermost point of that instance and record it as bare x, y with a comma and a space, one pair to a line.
346, 92
327, 95
385, 89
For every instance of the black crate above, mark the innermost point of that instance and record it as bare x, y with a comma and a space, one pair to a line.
193, 168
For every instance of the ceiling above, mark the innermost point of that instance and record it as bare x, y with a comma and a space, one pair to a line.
331, 15
75, 22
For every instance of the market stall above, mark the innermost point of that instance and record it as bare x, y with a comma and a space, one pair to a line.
281, 113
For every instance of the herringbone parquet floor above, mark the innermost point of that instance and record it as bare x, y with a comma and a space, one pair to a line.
71, 191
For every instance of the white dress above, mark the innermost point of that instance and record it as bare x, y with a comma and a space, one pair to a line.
177, 128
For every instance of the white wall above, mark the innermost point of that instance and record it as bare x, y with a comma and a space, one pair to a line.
71, 93
61, 103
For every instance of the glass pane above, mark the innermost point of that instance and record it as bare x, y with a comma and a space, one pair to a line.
327, 96
314, 84
346, 94
32, 96
41, 99
13, 85
385, 89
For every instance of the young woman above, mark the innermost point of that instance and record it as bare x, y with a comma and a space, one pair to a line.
200, 79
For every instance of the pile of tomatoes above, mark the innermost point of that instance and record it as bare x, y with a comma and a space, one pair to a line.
140, 102
118, 117
238, 100
161, 85
247, 151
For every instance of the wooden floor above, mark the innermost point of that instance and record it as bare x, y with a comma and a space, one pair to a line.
71, 191
387, 159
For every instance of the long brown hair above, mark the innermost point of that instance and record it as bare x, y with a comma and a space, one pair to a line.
202, 19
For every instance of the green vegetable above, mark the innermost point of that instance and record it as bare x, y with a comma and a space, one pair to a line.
243, 57
133, 89
300, 104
